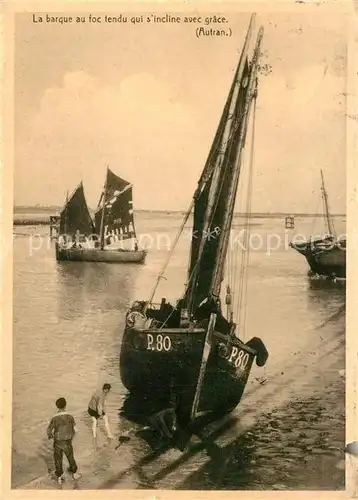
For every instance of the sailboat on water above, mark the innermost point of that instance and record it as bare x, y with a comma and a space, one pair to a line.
326, 256
190, 355
111, 237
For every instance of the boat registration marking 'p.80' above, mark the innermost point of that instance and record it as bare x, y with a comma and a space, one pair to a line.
158, 343
238, 358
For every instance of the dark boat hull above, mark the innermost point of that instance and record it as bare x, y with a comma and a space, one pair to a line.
98, 255
151, 368
324, 259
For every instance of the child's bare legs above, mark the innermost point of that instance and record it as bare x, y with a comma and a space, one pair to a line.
94, 427
106, 424
94, 431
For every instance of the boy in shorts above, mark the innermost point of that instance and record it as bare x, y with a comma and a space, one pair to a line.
96, 410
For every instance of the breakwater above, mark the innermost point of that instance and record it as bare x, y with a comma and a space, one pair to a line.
38, 221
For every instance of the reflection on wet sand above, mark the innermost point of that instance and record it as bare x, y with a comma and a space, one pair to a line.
87, 285
277, 452
326, 298
253, 448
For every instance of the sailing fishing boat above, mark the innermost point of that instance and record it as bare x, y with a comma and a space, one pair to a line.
326, 256
112, 238
75, 223
190, 355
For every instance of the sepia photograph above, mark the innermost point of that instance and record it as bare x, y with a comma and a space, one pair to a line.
179, 249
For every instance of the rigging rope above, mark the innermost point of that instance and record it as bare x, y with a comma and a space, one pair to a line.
195, 267
161, 274
229, 266
314, 221
208, 224
248, 211
222, 151
320, 200
235, 260
241, 312
237, 273
331, 230
204, 236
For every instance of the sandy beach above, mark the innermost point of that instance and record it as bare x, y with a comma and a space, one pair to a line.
287, 434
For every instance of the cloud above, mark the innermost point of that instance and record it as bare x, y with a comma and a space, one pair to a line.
290, 152
84, 124
147, 134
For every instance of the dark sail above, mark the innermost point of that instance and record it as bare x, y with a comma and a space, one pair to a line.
75, 215
118, 210
201, 201
210, 252
204, 184
211, 202
247, 93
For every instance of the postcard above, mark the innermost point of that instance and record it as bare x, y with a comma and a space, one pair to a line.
179, 196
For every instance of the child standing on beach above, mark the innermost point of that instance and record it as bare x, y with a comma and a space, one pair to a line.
96, 409
62, 430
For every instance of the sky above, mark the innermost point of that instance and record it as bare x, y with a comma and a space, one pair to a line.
146, 101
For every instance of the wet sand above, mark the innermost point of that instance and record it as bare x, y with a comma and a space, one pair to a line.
68, 325
297, 446
287, 434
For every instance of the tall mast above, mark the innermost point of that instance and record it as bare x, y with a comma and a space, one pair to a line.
227, 112
101, 231
326, 208
134, 230
66, 211
219, 164
231, 199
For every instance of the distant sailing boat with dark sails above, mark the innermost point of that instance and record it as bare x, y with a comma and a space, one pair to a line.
326, 256
75, 219
190, 355
112, 238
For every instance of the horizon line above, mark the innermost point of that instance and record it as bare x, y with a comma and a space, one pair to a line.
281, 213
